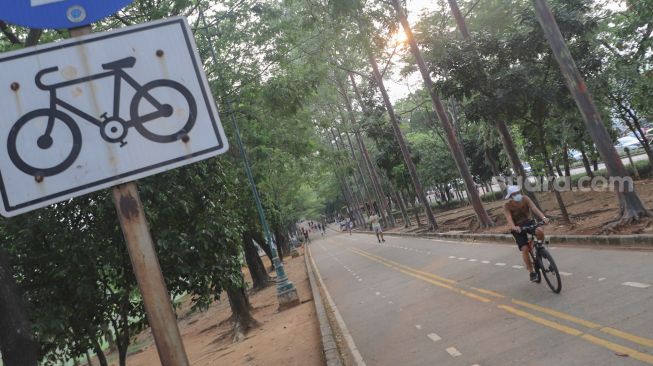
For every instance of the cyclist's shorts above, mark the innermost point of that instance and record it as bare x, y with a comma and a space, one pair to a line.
376, 228
522, 237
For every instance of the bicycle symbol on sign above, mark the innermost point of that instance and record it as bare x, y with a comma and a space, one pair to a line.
113, 129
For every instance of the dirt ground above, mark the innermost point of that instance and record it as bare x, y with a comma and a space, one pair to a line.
589, 213
284, 338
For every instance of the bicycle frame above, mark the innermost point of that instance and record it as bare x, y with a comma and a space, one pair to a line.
119, 75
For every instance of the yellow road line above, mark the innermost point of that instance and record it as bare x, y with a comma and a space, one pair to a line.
537, 319
488, 292
557, 314
627, 336
644, 357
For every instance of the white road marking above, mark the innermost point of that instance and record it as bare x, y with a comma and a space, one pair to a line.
472, 260
461, 258
589, 277
565, 274
377, 293
390, 302
517, 266
434, 337
453, 352
452, 257
476, 364
499, 264
485, 262
418, 326
429, 253
602, 279
360, 280
636, 284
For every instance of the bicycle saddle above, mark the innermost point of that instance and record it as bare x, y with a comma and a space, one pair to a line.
123, 63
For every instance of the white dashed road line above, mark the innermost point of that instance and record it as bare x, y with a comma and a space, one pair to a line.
453, 352
485, 262
473, 260
601, 279
461, 258
636, 284
500, 264
517, 266
452, 257
418, 326
434, 337
565, 274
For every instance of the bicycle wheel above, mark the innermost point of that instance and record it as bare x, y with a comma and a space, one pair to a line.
549, 270
43, 143
173, 118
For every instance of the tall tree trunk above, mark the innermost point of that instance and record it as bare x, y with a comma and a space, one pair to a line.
550, 173
241, 312
411, 201
260, 277
260, 239
417, 184
452, 139
586, 163
362, 187
558, 170
404, 214
102, 359
565, 160
16, 343
89, 362
502, 128
632, 208
357, 214
376, 181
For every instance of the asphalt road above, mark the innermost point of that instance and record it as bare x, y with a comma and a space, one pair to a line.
412, 301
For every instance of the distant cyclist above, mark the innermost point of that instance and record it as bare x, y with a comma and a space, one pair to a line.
518, 211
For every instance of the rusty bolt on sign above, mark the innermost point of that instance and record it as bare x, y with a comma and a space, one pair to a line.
38, 178
159, 53
15, 86
185, 138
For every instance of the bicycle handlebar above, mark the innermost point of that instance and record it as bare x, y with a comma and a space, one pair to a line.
533, 226
39, 75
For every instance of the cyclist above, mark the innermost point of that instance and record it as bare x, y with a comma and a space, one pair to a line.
518, 211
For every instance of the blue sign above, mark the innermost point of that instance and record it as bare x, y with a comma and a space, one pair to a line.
57, 14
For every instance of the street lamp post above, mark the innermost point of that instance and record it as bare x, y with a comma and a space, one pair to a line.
286, 291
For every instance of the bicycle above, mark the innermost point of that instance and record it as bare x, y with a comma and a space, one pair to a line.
543, 261
113, 128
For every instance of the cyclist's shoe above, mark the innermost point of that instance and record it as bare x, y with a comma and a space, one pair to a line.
534, 276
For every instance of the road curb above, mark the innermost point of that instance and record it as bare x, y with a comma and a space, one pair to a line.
606, 241
329, 346
331, 352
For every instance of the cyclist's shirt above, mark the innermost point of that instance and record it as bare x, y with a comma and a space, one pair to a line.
519, 211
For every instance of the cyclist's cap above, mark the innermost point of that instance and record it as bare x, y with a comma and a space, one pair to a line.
511, 190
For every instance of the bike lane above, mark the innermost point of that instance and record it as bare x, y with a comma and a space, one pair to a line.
443, 314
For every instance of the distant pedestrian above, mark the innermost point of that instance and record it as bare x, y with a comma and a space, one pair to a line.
376, 226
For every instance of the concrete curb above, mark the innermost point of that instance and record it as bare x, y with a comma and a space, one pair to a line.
607, 241
329, 346
352, 351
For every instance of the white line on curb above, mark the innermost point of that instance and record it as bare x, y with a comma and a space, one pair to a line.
636, 284
453, 352
341, 323
434, 337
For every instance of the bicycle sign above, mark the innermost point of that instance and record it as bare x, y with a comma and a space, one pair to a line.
90, 113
